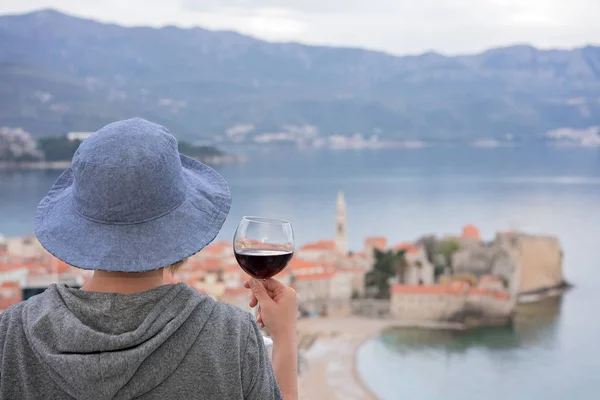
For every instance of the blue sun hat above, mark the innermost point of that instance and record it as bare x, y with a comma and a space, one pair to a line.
131, 203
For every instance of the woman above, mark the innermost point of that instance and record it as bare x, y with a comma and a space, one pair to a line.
129, 206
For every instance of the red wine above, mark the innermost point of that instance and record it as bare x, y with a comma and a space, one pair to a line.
263, 264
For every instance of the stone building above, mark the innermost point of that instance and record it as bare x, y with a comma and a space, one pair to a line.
418, 270
486, 303
527, 263
375, 243
427, 303
479, 258
470, 235
456, 301
323, 250
325, 293
483, 259
540, 263
27, 247
10, 293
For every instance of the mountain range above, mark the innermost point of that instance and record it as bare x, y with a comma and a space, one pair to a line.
60, 73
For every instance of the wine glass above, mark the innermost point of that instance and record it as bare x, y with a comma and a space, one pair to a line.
263, 246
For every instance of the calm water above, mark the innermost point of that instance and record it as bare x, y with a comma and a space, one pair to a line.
551, 353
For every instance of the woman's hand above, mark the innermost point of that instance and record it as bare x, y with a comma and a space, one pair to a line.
278, 307
278, 310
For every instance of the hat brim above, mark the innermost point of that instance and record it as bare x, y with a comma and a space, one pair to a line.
139, 247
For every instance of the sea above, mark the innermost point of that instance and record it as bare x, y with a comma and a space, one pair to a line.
551, 352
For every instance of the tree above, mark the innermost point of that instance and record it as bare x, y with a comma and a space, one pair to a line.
401, 265
438, 271
447, 248
198, 152
388, 264
58, 148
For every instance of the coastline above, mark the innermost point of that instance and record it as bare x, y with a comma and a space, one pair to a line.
328, 369
355, 372
61, 165
544, 293
34, 166
329, 349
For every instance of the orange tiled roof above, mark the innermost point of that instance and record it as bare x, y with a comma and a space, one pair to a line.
454, 289
232, 269
378, 242
298, 264
208, 264
10, 285
320, 245
499, 294
470, 231
61, 266
282, 274
11, 266
217, 247
408, 247
316, 277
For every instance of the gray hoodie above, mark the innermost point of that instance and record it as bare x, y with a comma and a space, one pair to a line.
166, 343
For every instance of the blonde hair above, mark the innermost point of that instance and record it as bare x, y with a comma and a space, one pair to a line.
173, 268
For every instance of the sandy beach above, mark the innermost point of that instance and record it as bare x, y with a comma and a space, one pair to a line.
328, 351
328, 348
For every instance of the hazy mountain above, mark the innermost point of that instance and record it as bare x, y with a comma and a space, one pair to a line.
59, 73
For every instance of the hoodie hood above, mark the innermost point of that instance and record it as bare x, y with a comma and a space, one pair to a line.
108, 345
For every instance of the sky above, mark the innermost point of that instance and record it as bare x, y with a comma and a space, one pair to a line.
395, 26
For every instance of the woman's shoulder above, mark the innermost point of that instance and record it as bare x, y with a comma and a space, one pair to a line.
220, 315
229, 316
226, 330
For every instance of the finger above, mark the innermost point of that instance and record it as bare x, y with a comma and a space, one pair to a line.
273, 285
260, 292
247, 286
259, 315
253, 301
277, 290
259, 319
